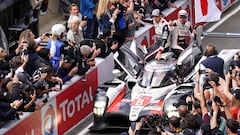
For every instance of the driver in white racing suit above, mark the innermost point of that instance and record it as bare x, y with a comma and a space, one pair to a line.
181, 33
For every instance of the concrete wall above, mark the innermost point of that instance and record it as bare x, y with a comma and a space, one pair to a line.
52, 17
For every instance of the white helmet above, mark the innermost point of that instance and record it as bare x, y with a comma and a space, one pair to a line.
182, 12
58, 29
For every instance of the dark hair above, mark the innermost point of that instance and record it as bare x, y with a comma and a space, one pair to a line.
206, 129
233, 125
192, 122
210, 50
174, 121
153, 132
32, 45
44, 53
72, 5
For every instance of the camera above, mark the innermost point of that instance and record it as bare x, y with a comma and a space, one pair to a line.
201, 71
84, 18
156, 120
217, 100
43, 69
48, 34
25, 52
206, 84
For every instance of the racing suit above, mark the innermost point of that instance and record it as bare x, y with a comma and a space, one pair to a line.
180, 36
158, 26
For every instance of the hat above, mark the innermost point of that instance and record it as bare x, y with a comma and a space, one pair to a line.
156, 12
180, 102
214, 77
236, 93
3, 74
67, 59
182, 12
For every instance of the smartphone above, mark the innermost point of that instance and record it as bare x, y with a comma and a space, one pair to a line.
25, 52
201, 71
189, 105
60, 86
48, 34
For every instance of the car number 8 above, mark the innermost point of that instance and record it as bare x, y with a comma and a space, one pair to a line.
140, 102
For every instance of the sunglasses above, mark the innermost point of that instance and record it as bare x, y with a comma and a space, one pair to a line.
182, 16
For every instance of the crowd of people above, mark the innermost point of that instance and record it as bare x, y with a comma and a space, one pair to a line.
213, 106
93, 29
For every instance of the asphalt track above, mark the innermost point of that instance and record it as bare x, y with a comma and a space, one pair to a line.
230, 22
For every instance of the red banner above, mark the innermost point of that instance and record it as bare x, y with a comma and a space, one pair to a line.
76, 102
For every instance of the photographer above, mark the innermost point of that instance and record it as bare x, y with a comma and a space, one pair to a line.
8, 111
215, 104
174, 124
66, 69
234, 96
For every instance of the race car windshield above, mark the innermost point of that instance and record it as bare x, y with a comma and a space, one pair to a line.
153, 79
156, 74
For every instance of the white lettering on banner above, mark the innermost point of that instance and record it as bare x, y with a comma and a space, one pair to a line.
32, 132
69, 107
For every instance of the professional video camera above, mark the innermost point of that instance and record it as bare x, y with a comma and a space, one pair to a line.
156, 121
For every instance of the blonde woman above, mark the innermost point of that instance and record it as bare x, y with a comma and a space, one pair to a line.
107, 14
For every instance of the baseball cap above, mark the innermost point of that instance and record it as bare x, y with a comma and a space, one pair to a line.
156, 12
67, 59
182, 12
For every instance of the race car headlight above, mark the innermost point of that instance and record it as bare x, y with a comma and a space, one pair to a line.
99, 107
171, 111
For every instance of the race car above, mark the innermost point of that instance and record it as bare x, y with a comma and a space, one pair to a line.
141, 93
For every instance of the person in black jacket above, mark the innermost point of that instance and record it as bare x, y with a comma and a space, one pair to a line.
8, 110
106, 44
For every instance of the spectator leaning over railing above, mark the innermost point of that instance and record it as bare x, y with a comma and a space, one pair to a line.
106, 44
8, 111
58, 33
5, 95
67, 69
